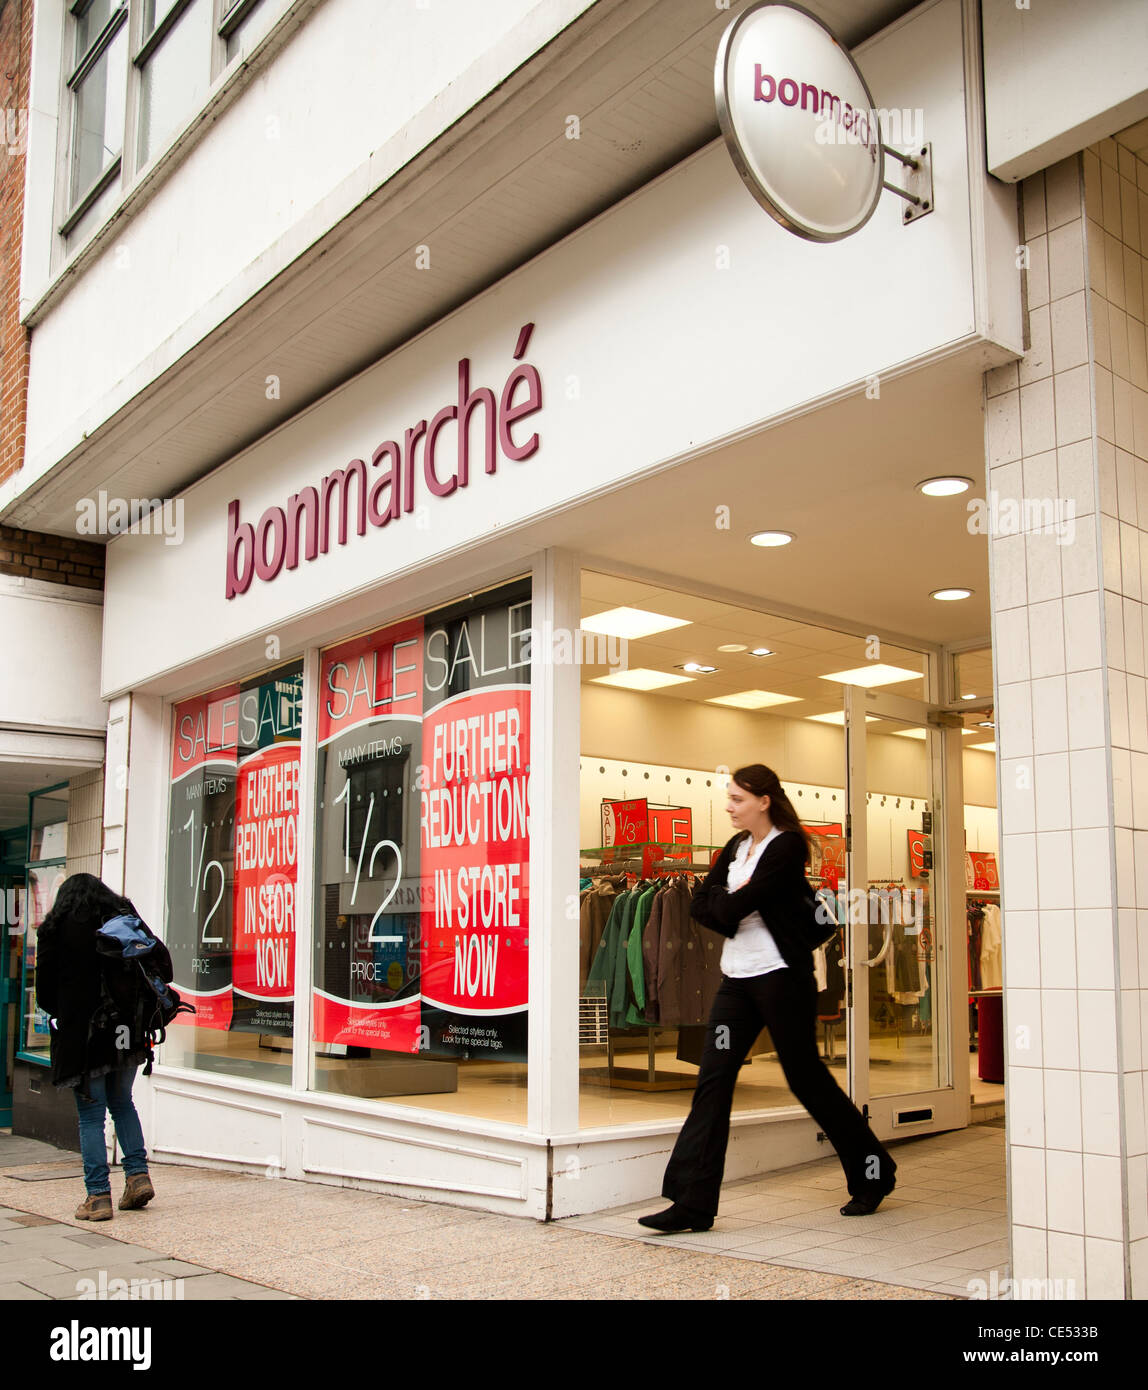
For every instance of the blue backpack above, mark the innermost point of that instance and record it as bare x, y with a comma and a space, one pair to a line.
133, 995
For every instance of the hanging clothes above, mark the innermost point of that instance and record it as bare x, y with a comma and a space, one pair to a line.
991, 977
594, 913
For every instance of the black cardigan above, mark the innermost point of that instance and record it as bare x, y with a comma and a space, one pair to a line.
777, 890
68, 990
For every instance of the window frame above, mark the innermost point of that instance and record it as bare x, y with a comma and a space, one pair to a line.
42, 1058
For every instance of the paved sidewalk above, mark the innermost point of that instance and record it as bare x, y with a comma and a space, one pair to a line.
234, 1236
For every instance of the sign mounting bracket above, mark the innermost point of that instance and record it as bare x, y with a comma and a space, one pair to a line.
919, 178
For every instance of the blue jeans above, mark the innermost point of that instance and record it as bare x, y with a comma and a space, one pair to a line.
110, 1092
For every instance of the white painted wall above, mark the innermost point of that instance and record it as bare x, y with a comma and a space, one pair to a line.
50, 675
280, 167
1058, 76
648, 352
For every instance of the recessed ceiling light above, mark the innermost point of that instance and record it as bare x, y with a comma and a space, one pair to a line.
985, 724
968, 697
732, 647
696, 667
950, 595
909, 733
631, 622
641, 679
762, 651
771, 538
874, 673
944, 487
984, 747
753, 699
837, 717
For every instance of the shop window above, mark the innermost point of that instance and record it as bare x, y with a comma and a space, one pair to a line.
231, 874
97, 82
422, 861
722, 687
45, 870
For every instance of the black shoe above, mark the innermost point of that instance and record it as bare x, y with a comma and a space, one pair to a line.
677, 1218
867, 1202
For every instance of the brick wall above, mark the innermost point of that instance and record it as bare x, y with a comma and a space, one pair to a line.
15, 48
56, 559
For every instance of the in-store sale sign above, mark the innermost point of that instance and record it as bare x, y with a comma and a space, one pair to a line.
266, 852
625, 823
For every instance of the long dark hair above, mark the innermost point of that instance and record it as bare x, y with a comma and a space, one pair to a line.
84, 898
759, 780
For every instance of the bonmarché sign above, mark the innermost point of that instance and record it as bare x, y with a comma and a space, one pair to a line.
385, 490
799, 121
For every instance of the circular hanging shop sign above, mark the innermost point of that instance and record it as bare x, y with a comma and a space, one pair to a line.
799, 121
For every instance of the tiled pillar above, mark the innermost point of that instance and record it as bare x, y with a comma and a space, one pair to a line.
1067, 444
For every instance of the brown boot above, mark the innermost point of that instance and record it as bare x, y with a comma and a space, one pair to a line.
97, 1208
138, 1192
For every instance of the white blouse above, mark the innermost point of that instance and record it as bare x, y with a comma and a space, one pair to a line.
753, 950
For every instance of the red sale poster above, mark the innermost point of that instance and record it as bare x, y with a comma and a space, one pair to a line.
981, 870
625, 823
917, 844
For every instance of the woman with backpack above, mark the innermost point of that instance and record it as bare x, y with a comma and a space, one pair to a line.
86, 996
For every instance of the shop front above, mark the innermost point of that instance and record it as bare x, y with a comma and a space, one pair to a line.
461, 657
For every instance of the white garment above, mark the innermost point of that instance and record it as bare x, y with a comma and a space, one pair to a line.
753, 950
991, 948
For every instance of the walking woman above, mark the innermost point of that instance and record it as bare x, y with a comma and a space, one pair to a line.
85, 1055
756, 895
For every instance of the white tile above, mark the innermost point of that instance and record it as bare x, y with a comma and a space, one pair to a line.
1138, 1199
1009, 561
1129, 222
1097, 1010
1001, 379
1140, 421
1054, 868
1059, 1029
1069, 330
1138, 763
1126, 495
1085, 710
1137, 713
1021, 950
1091, 869
1037, 274
1113, 624
1129, 562
1082, 650
1066, 259
1101, 333
1138, 1269
1142, 965
1137, 354
1038, 419
1066, 1263
1128, 934
1046, 638
1039, 476
1129, 872
1014, 711
1105, 421
1113, 271
1093, 203
1076, 474
1042, 553
1053, 802
1063, 193
1073, 405
1029, 1252
1032, 203
1024, 1028
1088, 778
1050, 715
1024, 1114
1037, 361
1058, 949
1062, 1122
1110, 552
1064, 1179
1110, 199
1002, 414
1104, 1262
1010, 648
1103, 1204
1100, 1113
1095, 967
1018, 795
1123, 435
1135, 1139
1117, 708
1106, 475
1134, 625
1027, 1183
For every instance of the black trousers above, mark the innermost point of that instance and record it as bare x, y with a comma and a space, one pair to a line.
784, 1001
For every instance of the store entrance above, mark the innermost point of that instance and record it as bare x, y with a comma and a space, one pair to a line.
899, 890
